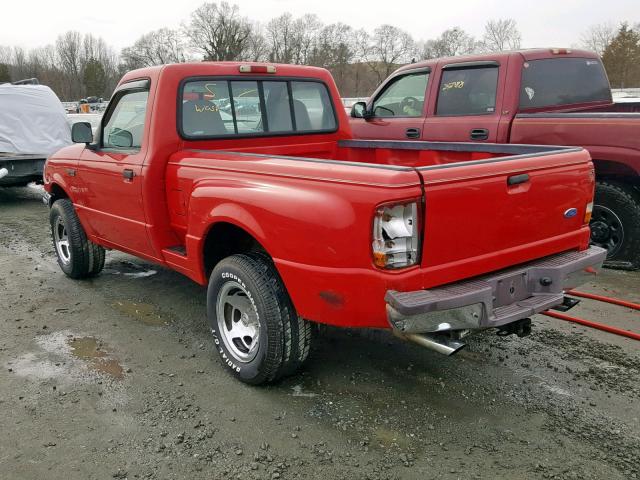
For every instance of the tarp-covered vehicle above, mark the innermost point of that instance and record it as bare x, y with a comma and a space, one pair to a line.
33, 125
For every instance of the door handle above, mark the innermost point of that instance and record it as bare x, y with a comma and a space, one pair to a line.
517, 179
412, 132
128, 174
479, 134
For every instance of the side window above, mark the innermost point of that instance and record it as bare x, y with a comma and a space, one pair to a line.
468, 91
125, 125
404, 97
246, 101
312, 107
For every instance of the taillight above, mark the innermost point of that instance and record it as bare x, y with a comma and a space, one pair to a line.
587, 213
560, 51
257, 68
396, 235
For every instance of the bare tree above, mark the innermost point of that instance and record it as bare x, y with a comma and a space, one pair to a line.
389, 48
500, 35
361, 45
219, 32
308, 29
333, 46
6, 55
257, 49
155, 48
597, 37
334, 49
20, 64
452, 42
282, 34
69, 50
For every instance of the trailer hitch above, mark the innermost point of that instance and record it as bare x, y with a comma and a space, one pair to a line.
567, 304
521, 328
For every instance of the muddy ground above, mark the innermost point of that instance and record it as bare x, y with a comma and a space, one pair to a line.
116, 377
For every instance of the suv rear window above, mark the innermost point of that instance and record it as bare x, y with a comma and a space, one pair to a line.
563, 81
219, 108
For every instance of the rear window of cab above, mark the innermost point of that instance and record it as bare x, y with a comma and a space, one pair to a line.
554, 82
219, 108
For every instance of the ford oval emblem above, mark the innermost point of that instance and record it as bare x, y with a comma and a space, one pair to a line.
570, 213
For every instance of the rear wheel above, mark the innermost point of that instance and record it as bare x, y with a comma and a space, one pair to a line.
615, 223
257, 332
78, 257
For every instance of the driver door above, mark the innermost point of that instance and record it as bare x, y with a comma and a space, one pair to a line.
110, 173
398, 109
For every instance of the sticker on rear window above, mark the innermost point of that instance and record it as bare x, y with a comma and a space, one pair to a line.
530, 92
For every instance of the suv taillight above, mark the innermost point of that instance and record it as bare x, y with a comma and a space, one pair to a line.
396, 235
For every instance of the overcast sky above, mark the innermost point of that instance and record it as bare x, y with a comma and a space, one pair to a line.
32, 23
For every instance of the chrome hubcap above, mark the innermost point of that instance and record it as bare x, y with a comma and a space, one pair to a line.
238, 321
61, 240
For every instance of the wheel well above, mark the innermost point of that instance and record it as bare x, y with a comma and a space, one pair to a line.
225, 239
57, 193
617, 171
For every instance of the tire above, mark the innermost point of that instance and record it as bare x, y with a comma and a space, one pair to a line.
78, 257
257, 333
615, 224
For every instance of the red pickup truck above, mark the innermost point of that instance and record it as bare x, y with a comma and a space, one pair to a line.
245, 178
542, 96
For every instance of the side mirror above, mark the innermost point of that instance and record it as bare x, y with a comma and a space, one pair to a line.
121, 139
359, 110
81, 132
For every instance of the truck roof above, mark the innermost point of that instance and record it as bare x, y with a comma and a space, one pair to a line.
527, 54
228, 68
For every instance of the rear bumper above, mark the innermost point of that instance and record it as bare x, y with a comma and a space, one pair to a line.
21, 170
493, 300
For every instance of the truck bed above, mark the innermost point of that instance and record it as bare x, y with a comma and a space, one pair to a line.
607, 135
20, 168
477, 220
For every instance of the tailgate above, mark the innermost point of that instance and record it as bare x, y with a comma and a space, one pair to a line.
485, 215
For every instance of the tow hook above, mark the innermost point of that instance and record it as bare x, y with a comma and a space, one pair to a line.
521, 328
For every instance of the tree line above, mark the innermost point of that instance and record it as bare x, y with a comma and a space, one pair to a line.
80, 65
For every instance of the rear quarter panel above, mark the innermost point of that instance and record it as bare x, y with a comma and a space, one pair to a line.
314, 218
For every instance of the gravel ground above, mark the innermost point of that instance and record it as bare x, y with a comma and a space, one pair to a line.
116, 377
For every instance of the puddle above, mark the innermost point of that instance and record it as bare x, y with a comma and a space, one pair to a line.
556, 389
67, 357
297, 392
129, 269
142, 312
389, 437
88, 349
143, 274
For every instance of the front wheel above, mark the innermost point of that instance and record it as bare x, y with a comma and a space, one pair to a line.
257, 332
615, 223
78, 256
